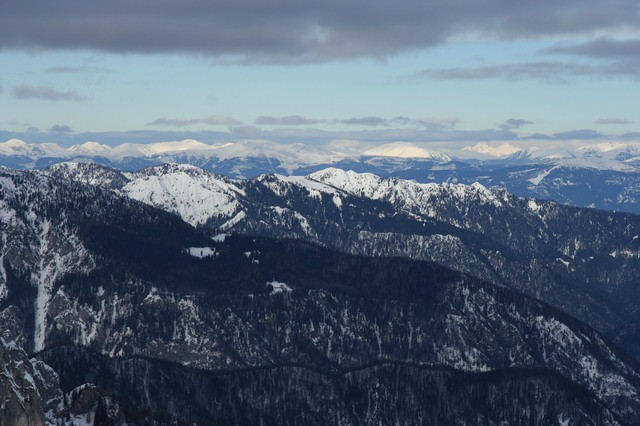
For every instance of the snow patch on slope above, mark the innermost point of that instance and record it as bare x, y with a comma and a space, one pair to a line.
278, 287
191, 193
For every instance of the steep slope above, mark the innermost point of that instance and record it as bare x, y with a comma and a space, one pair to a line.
28, 389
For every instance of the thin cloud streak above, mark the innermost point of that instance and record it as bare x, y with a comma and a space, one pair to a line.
289, 120
61, 69
45, 93
601, 48
615, 121
214, 120
544, 71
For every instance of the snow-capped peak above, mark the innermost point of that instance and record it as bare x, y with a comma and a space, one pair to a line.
496, 151
405, 150
90, 148
192, 193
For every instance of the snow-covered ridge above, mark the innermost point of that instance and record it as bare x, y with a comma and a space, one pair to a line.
199, 197
192, 193
410, 195
406, 150
502, 150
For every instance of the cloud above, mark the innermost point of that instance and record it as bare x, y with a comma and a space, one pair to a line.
285, 31
434, 123
532, 70
547, 71
540, 136
437, 123
630, 135
289, 120
613, 121
18, 123
364, 121
45, 93
72, 70
578, 134
602, 47
431, 123
214, 120
60, 128
514, 123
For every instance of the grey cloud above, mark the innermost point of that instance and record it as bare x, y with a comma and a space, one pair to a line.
289, 120
377, 135
603, 47
214, 120
431, 123
515, 123
631, 135
540, 136
295, 31
247, 131
25, 91
364, 121
18, 123
547, 71
613, 121
438, 123
60, 128
434, 123
578, 134
72, 70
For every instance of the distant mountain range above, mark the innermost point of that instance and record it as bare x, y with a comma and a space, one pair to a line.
604, 176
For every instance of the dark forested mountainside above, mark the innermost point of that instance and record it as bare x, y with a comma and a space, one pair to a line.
92, 277
382, 392
583, 261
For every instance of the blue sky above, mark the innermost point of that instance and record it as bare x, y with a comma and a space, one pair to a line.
551, 81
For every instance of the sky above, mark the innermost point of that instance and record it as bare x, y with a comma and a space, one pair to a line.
307, 71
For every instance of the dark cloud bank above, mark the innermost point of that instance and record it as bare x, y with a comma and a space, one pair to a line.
282, 31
